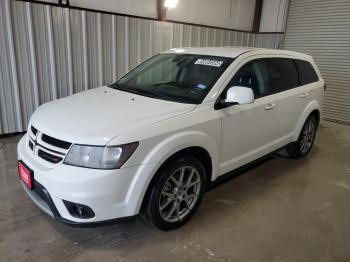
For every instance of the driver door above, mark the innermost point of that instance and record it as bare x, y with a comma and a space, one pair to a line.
248, 130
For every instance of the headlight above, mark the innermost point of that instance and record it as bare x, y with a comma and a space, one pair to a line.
100, 157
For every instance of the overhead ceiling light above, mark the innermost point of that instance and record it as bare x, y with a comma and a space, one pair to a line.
63, 2
170, 4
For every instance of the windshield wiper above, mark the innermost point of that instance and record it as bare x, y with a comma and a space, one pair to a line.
162, 96
152, 94
135, 90
147, 93
122, 88
116, 86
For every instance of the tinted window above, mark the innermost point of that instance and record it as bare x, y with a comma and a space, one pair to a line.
307, 73
252, 75
282, 74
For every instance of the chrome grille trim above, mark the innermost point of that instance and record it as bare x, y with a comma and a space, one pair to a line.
47, 149
55, 142
34, 130
50, 146
49, 157
31, 145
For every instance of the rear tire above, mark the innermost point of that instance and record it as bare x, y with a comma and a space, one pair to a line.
303, 145
176, 194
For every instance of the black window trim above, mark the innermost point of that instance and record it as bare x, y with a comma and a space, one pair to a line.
217, 102
296, 69
299, 72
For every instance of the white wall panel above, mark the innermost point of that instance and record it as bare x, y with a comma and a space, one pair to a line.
235, 14
273, 15
50, 52
147, 8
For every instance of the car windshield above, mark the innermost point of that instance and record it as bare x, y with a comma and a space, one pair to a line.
184, 78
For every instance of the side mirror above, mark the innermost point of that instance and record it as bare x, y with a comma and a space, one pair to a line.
237, 95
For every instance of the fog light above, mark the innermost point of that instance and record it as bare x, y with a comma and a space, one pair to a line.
79, 210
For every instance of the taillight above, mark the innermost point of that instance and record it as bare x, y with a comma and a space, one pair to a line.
325, 87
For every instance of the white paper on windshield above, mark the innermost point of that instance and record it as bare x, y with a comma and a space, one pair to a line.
208, 62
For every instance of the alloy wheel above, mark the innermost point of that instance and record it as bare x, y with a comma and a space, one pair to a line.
179, 194
308, 134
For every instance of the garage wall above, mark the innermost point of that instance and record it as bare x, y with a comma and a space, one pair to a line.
322, 29
49, 52
146, 8
273, 15
235, 14
232, 14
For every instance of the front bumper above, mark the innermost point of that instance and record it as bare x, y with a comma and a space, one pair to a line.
111, 194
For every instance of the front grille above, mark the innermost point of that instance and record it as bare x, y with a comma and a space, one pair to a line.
34, 130
31, 145
47, 148
55, 142
49, 157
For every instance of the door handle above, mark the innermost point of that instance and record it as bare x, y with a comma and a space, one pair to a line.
270, 106
303, 95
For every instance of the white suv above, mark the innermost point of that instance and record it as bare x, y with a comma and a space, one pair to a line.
152, 142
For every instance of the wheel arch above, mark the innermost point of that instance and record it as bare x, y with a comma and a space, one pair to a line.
193, 143
317, 114
313, 108
193, 151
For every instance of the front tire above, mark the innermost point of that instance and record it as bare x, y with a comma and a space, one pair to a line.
176, 194
303, 145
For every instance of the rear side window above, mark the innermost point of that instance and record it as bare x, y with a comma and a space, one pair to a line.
306, 71
282, 74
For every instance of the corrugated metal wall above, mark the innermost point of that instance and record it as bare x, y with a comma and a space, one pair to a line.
49, 52
322, 29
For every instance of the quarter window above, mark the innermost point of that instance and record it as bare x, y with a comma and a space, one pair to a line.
306, 71
252, 75
282, 74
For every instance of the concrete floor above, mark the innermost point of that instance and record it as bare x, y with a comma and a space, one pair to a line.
281, 210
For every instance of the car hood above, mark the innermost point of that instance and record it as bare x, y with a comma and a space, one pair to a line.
98, 115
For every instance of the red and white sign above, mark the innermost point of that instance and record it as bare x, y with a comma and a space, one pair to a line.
24, 175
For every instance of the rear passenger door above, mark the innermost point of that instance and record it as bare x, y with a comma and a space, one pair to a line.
289, 96
308, 81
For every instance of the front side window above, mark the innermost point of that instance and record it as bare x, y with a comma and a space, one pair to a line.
282, 74
182, 78
253, 75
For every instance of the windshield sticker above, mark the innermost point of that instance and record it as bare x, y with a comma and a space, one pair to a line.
209, 62
201, 86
